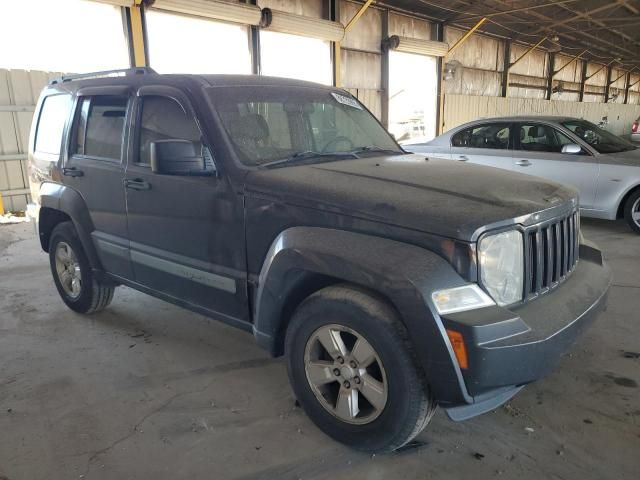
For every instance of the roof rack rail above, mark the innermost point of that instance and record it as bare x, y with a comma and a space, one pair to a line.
106, 73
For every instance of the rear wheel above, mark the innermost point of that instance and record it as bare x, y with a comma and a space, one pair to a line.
632, 211
353, 371
72, 273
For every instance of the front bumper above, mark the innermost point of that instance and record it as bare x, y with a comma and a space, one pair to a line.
510, 347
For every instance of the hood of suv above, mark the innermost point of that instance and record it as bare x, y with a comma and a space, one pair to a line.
442, 197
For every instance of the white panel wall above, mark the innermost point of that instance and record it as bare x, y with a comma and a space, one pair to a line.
19, 91
459, 109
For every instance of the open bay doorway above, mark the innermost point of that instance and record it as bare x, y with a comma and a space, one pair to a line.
413, 82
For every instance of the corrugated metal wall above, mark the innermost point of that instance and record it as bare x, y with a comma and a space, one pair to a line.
361, 56
19, 91
459, 109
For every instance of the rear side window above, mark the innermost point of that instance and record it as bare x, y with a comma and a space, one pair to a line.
99, 127
494, 135
542, 138
53, 115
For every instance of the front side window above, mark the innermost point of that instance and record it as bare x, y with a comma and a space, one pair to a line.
163, 118
542, 138
99, 127
53, 116
601, 140
494, 135
274, 123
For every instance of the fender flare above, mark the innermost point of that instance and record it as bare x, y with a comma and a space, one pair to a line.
67, 200
404, 274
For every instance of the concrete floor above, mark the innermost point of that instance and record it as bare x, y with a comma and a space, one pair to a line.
146, 390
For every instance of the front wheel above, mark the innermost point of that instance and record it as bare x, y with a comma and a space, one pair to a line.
632, 211
353, 370
72, 273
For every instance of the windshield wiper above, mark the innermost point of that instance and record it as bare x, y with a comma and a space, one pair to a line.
375, 148
300, 156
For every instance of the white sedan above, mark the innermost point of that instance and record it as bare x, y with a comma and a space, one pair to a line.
604, 168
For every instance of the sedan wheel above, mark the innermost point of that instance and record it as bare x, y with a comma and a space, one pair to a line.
635, 212
632, 211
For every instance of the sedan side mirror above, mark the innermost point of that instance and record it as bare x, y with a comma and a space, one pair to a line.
571, 148
178, 157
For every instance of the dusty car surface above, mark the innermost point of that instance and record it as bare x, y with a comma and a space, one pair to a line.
391, 283
604, 168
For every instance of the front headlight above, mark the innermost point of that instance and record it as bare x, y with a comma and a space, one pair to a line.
501, 258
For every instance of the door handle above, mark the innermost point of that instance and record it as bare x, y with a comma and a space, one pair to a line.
523, 163
137, 184
72, 172
463, 158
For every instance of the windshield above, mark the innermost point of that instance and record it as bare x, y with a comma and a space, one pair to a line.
601, 140
268, 124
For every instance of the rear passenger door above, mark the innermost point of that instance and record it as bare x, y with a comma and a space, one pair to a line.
539, 152
94, 167
487, 144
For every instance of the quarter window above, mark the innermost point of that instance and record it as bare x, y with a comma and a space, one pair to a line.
495, 136
99, 127
53, 116
164, 119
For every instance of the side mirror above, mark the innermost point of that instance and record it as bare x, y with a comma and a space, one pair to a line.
571, 148
178, 157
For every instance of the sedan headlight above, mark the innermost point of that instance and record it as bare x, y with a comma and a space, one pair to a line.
501, 258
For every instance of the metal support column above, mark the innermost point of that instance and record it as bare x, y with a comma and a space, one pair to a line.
439, 36
384, 80
336, 59
254, 46
607, 87
583, 80
505, 68
552, 66
136, 29
627, 84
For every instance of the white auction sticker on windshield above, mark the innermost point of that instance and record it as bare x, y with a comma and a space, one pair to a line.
343, 99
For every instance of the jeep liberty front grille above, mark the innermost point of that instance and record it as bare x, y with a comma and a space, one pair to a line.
551, 253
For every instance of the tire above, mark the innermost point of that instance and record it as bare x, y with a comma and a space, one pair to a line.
405, 407
72, 273
631, 208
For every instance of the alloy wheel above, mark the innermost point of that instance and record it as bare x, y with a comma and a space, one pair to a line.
68, 270
635, 212
345, 374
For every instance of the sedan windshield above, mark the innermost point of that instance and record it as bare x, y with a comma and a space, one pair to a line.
279, 125
601, 140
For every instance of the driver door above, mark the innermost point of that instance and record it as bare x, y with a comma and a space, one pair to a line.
186, 231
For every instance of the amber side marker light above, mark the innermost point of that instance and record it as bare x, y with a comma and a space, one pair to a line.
457, 342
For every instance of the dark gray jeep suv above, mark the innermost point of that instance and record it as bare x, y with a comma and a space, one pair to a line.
392, 282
